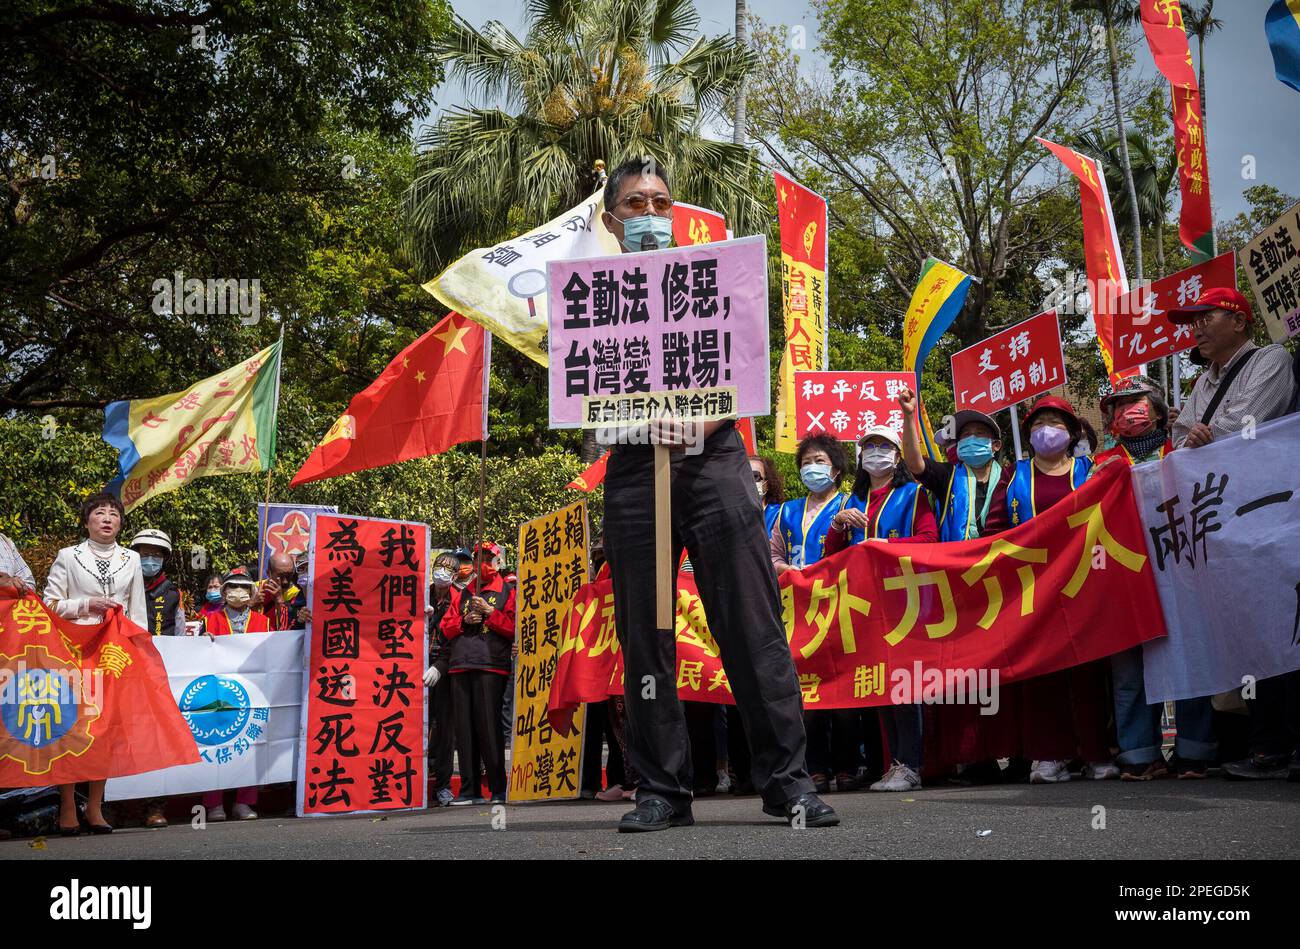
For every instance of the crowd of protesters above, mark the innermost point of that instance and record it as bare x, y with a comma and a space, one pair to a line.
1092, 720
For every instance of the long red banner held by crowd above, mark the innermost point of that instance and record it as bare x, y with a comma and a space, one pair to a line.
1069, 586
80, 703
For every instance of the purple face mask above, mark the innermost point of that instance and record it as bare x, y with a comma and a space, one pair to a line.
1049, 440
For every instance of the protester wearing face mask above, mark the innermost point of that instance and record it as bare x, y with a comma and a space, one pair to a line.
770, 489
799, 536
479, 625
210, 600
888, 506
1136, 415
163, 600
1063, 715
442, 724
972, 490
236, 615
885, 504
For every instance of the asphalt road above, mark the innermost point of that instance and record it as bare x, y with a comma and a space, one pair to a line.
1212, 819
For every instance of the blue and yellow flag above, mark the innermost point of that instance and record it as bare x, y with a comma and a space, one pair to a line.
939, 296
1282, 25
224, 424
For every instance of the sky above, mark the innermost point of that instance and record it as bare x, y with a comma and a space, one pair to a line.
1248, 111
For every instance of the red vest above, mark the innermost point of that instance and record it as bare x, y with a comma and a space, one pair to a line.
218, 623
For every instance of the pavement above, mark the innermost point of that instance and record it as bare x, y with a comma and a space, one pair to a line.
1210, 819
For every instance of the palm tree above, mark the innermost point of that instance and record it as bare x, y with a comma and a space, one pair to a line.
1113, 12
742, 38
593, 81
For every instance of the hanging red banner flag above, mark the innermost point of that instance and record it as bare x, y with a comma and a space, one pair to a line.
696, 225
1107, 280
1162, 21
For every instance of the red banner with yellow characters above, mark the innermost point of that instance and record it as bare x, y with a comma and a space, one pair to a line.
1107, 280
696, 225
1162, 21
804, 303
82, 702
1069, 586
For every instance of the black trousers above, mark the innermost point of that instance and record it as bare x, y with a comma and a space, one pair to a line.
600, 732
477, 697
1275, 715
717, 517
443, 733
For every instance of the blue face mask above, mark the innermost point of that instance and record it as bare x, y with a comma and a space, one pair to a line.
816, 477
213, 596
636, 228
151, 566
976, 452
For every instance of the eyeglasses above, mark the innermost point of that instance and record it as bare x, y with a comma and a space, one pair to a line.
661, 203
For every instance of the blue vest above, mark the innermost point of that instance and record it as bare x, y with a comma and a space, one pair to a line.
1020, 492
802, 551
957, 519
770, 514
896, 517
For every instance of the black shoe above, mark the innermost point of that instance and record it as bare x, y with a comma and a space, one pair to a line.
1257, 768
807, 809
497, 799
1293, 770
653, 813
820, 784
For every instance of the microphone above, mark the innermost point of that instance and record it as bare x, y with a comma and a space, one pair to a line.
648, 242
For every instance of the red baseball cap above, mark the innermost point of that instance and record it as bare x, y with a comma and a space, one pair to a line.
1050, 402
1216, 298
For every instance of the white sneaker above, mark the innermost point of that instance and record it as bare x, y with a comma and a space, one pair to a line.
1101, 771
216, 815
899, 777
243, 812
1048, 772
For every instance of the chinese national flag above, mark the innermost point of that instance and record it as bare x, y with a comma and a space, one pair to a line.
593, 476
429, 398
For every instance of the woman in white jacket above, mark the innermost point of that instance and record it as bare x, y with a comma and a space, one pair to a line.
85, 582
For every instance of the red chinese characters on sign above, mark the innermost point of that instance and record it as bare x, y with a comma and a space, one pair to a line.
1142, 328
846, 404
1010, 366
364, 706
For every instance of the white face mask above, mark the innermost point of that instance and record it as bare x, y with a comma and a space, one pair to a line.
237, 598
878, 461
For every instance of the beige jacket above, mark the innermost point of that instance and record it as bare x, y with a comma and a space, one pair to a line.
74, 580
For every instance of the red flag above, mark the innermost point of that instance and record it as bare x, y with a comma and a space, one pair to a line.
696, 225
746, 428
81, 703
593, 476
1162, 21
429, 398
1107, 280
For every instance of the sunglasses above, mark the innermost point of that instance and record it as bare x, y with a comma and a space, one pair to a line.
661, 203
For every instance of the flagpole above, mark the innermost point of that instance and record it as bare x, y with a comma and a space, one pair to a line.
270, 465
482, 453
1015, 431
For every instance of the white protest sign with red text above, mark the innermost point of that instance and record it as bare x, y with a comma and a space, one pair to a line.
846, 404
1013, 365
1142, 328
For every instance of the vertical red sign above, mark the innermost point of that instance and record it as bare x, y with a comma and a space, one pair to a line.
1012, 365
364, 708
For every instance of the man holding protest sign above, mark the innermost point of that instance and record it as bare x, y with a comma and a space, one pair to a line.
717, 518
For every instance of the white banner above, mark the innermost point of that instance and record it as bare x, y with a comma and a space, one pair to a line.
1222, 526
242, 698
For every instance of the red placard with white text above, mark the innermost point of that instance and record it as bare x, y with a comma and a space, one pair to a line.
364, 709
1142, 328
1012, 365
846, 404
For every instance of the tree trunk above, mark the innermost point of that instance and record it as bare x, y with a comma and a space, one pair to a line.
1160, 269
742, 37
1135, 214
